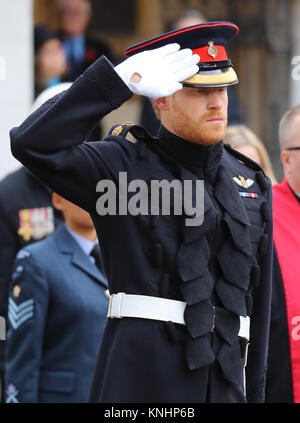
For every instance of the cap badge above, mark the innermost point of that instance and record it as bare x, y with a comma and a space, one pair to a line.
212, 49
242, 182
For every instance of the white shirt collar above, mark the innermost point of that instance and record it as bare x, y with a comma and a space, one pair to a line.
85, 244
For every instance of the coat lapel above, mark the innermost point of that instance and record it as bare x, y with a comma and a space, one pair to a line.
227, 194
68, 246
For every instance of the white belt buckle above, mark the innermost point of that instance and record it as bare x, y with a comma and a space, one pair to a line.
115, 303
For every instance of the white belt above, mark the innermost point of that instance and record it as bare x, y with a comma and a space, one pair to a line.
155, 308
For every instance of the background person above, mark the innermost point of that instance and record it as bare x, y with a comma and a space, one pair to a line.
57, 313
244, 140
283, 379
49, 59
26, 216
81, 51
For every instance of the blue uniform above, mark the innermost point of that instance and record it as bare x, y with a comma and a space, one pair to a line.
57, 316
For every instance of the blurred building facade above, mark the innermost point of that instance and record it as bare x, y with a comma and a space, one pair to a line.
16, 72
262, 54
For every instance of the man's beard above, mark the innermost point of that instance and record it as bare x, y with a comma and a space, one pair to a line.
198, 131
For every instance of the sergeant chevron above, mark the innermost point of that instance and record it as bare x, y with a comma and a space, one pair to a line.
20, 313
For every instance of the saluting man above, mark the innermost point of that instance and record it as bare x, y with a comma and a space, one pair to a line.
179, 320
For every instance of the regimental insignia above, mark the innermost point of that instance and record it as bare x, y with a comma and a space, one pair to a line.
242, 182
36, 223
212, 49
18, 314
16, 291
117, 131
11, 395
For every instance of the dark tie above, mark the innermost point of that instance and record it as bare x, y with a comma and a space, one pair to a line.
97, 256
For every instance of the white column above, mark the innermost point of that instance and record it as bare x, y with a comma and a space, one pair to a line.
16, 72
295, 59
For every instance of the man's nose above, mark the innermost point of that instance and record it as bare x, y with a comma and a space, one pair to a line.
214, 100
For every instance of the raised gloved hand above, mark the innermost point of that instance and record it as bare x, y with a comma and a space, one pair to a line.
159, 72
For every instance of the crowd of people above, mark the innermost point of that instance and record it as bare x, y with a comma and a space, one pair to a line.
56, 282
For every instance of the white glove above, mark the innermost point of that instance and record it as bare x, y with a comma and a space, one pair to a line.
158, 73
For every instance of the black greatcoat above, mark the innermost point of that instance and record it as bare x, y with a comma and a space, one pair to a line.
279, 384
222, 268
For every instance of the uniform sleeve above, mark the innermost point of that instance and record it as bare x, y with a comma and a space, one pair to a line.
260, 321
8, 251
27, 311
50, 143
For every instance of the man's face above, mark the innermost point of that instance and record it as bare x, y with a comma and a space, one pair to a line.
291, 158
51, 59
198, 115
77, 218
74, 17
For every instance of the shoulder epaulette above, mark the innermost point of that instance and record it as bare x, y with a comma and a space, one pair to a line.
263, 180
246, 160
136, 131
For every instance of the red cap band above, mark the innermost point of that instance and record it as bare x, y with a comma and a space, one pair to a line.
217, 53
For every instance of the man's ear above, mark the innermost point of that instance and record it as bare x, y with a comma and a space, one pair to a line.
161, 103
56, 201
285, 157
